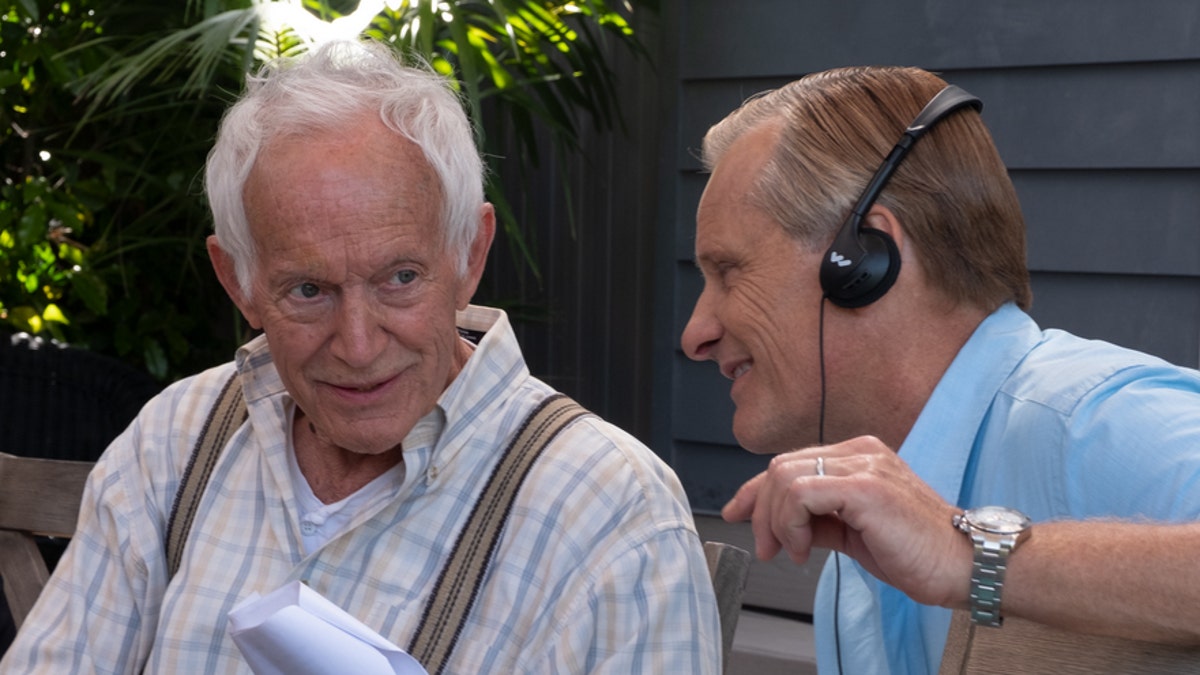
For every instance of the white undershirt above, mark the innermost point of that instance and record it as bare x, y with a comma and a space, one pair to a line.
320, 522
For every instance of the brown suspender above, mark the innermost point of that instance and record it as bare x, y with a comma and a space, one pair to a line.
454, 593
226, 416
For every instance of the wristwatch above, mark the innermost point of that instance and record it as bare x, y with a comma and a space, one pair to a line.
995, 531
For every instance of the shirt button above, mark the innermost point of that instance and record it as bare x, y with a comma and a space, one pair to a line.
308, 529
433, 473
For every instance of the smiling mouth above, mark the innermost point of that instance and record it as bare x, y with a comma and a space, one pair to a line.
740, 371
362, 388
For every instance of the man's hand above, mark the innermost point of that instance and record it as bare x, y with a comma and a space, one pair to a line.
869, 505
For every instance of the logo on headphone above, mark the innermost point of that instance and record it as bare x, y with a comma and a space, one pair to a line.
841, 260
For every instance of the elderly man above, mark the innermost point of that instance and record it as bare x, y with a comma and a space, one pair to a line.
351, 228
863, 256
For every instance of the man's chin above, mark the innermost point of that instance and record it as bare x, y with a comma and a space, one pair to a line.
757, 438
361, 442
751, 441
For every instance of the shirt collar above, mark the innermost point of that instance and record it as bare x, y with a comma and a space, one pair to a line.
496, 365
940, 444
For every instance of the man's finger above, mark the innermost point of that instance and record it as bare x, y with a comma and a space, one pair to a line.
741, 507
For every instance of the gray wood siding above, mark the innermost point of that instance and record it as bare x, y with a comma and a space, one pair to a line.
586, 327
1094, 105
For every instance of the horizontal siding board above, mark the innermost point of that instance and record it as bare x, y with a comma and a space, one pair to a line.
703, 410
688, 284
1139, 116
784, 37
691, 187
1128, 116
712, 472
1159, 316
1123, 222
703, 104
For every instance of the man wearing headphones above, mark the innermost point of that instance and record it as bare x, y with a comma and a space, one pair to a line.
955, 455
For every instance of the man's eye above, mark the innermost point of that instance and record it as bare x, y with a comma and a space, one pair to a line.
307, 290
406, 276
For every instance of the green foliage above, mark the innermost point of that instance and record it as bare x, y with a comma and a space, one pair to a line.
39, 261
109, 108
103, 211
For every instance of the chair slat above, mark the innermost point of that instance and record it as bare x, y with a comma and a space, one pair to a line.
728, 567
41, 495
1027, 647
24, 573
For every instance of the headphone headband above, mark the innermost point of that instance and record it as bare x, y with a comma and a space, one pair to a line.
862, 263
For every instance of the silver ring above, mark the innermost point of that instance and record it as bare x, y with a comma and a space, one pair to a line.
820, 466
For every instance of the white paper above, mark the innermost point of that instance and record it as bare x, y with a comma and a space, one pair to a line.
296, 631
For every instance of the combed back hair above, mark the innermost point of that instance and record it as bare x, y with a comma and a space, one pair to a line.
329, 89
952, 194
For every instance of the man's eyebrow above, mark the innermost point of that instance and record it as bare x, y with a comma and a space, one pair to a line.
707, 258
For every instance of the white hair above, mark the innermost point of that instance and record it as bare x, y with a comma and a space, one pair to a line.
328, 88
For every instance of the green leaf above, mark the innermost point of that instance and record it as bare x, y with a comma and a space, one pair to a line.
55, 314
44, 252
155, 357
91, 290
32, 226
26, 318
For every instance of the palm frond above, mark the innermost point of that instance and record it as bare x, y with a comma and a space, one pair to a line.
199, 48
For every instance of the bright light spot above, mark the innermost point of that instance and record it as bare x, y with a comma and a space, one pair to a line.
277, 15
76, 268
45, 155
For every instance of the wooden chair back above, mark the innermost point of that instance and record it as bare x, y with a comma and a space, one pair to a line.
1027, 647
37, 497
729, 567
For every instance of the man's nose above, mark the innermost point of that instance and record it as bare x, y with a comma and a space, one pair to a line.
359, 334
702, 331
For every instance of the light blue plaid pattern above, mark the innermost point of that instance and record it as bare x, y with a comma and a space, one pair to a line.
599, 569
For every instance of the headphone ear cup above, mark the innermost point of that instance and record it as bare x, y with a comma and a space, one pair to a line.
872, 277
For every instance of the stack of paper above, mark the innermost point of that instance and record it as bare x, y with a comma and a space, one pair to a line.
296, 631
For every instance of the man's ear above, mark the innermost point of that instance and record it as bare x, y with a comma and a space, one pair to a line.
223, 265
477, 256
884, 219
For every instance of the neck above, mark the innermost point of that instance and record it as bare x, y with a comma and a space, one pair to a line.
888, 373
334, 473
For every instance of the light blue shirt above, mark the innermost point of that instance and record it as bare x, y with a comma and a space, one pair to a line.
1042, 421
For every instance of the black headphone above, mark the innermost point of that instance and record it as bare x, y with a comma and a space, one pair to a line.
862, 262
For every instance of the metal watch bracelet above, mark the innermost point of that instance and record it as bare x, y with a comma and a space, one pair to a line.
987, 580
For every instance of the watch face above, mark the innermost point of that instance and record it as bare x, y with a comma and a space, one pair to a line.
998, 519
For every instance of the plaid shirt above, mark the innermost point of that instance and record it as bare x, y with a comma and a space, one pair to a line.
599, 568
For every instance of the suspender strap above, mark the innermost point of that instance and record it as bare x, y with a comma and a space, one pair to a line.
456, 588
225, 417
